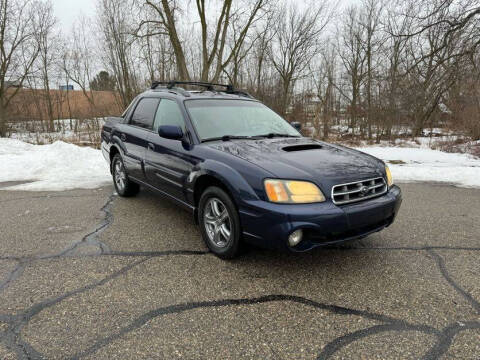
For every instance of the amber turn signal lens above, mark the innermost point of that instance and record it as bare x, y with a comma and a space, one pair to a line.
389, 176
276, 191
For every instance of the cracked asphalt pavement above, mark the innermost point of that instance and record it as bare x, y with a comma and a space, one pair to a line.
85, 274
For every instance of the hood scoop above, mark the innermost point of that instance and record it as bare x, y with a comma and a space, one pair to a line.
301, 147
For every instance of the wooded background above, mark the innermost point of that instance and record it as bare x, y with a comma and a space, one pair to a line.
380, 69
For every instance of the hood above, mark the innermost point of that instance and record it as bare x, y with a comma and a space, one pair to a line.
304, 158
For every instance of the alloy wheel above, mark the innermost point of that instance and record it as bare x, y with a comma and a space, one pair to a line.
120, 176
217, 222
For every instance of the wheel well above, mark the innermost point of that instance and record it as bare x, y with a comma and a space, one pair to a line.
202, 183
205, 181
113, 152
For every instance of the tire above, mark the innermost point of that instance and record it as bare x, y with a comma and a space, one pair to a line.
123, 185
219, 223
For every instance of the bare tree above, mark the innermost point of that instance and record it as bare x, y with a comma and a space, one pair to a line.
258, 73
214, 58
164, 23
351, 53
296, 43
227, 19
18, 49
158, 57
431, 72
388, 64
117, 39
48, 42
324, 80
449, 18
395, 48
370, 20
235, 71
78, 61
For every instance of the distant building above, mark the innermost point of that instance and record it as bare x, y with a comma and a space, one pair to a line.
66, 87
13, 84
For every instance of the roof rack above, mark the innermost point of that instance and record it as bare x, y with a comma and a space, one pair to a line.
171, 85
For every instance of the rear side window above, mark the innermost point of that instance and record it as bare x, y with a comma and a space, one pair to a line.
125, 113
168, 113
144, 113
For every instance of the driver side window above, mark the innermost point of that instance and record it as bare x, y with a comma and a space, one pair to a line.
168, 113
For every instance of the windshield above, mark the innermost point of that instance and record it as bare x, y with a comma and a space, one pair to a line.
220, 118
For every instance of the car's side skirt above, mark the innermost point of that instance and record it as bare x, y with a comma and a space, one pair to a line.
168, 196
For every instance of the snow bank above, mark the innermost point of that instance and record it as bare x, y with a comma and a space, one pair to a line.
63, 166
420, 164
55, 167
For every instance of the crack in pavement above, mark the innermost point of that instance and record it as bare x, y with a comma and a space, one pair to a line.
446, 338
392, 324
443, 269
13, 275
89, 239
92, 237
11, 337
179, 308
337, 344
22, 349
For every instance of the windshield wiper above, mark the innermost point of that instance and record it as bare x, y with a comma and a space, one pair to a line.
253, 137
229, 137
272, 135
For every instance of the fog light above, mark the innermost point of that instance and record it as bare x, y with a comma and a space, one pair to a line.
295, 237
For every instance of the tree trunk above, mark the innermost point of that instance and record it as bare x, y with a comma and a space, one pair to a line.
3, 120
49, 107
353, 111
369, 91
326, 125
285, 90
176, 44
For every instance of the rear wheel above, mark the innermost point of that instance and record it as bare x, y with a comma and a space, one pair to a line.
123, 185
220, 223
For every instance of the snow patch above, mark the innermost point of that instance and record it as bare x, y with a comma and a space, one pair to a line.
56, 167
62, 166
421, 164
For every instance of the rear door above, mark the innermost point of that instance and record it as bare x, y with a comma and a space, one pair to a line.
169, 162
134, 136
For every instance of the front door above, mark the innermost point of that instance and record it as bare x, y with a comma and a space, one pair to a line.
168, 162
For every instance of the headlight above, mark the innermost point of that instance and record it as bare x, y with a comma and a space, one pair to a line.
389, 176
292, 191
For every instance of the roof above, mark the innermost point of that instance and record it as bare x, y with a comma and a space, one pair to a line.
209, 90
195, 94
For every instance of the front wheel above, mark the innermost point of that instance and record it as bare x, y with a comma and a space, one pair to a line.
124, 186
220, 223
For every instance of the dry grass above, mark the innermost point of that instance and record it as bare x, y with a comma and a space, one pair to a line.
31, 121
32, 104
83, 132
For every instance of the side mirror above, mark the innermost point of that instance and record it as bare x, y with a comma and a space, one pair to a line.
172, 132
296, 125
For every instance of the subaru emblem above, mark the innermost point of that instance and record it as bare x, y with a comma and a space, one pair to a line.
364, 190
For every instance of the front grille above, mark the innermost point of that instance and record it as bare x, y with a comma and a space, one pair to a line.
358, 191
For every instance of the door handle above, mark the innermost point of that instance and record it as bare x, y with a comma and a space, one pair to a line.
123, 137
151, 146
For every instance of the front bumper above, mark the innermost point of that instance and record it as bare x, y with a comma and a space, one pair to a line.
269, 225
